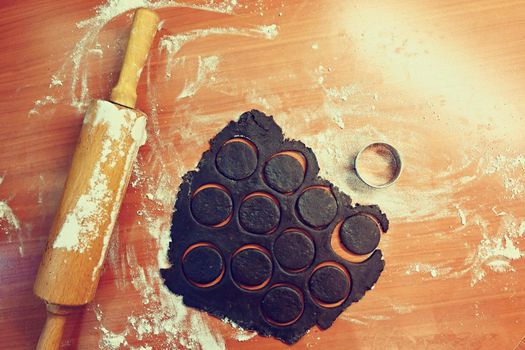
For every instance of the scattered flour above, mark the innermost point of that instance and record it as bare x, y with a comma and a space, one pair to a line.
268, 102
434, 271
512, 171
7, 215
461, 214
46, 100
363, 320
97, 50
172, 44
495, 252
55, 82
353, 320
376, 317
207, 66
10, 224
334, 98
201, 335
117, 261
241, 335
110, 340
340, 102
403, 309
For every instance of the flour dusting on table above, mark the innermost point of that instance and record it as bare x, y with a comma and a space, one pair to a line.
421, 195
7, 215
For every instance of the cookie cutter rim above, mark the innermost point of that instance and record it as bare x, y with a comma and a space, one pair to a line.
397, 159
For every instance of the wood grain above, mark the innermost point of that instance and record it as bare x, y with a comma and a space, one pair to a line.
443, 81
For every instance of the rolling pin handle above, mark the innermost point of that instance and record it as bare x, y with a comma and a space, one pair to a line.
143, 31
54, 327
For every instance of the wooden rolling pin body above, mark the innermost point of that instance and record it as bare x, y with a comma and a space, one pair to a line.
108, 144
109, 141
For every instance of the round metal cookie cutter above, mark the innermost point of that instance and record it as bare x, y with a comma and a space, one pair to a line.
395, 160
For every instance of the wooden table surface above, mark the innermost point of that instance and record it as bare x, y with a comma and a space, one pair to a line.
443, 81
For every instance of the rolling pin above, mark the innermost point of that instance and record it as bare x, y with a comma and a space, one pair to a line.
109, 141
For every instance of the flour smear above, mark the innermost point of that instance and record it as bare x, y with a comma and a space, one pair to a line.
8, 219
7, 216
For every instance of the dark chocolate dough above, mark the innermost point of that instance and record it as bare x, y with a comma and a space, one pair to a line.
294, 250
282, 305
360, 234
329, 284
259, 214
295, 230
236, 160
202, 265
211, 206
251, 267
284, 173
317, 207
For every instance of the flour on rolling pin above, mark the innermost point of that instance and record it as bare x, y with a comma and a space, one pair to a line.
78, 229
